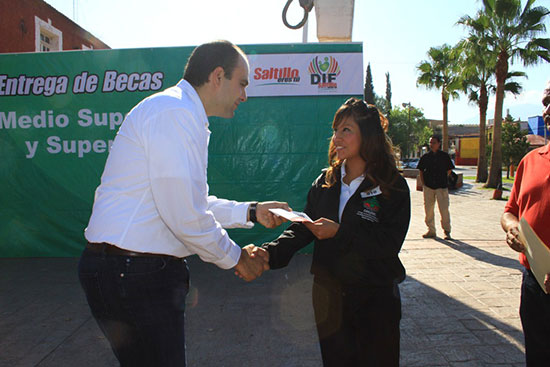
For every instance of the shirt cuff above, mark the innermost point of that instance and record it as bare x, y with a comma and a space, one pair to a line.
231, 259
240, 214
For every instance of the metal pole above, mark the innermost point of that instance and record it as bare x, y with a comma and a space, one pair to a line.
409, 131
304, 32
408, 127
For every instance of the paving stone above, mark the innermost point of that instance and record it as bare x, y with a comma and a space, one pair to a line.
454, 339
459, 354
416, 358
440, 325
467, 364
497, 354
497, 337
476, 324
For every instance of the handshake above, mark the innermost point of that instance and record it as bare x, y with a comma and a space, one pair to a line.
255, 260
252, 263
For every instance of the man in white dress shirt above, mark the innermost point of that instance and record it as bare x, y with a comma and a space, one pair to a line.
152, 209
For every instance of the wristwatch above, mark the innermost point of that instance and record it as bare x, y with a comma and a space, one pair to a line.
252, 212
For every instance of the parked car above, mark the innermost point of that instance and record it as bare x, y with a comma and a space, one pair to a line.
410, 162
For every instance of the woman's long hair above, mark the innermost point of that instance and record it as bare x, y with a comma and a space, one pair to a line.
376, 147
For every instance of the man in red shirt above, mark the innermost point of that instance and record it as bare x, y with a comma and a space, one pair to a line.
530, 199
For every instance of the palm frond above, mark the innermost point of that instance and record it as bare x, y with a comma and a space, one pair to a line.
513, 87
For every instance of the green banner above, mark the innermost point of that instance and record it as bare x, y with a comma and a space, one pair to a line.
59, 113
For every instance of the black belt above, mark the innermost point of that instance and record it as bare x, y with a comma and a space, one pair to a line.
108, 249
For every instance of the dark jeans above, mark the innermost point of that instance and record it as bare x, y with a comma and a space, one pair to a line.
358, 327
139, 304
535, 320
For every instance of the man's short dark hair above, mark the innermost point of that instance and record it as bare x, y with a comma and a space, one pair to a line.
207, 57
437, 137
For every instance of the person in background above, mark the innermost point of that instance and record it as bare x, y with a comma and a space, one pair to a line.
530, 199
152, 209
434, 169
361, 208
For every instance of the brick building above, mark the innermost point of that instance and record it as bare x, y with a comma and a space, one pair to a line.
35, 26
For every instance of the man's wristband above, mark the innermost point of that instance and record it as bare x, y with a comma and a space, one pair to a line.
252, 212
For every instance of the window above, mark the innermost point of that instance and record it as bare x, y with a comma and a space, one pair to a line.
45, 44
48, 38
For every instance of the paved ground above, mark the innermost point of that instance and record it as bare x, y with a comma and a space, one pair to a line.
460, 304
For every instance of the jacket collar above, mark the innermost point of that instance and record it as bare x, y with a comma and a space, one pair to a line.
334, 197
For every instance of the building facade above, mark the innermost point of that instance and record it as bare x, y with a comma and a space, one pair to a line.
36, 26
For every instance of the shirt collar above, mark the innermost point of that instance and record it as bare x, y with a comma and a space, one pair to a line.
545, 150
194, 96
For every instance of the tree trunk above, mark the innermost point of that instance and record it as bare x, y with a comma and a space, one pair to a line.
445, 137
495, 171
482, 156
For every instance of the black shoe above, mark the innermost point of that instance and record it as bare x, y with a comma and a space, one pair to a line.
429, 235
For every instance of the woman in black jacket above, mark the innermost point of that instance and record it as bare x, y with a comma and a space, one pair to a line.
361, 208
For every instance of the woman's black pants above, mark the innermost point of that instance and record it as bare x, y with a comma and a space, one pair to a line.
357, 327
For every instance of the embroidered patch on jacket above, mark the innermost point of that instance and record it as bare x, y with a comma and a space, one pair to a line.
371, 206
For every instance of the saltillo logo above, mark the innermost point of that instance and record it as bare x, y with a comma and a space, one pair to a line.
284, 75
324, 72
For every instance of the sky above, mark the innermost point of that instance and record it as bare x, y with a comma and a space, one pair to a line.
396, 36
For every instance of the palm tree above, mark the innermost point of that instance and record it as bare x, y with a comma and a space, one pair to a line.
510, 32
477, 70
477, 65
440, 72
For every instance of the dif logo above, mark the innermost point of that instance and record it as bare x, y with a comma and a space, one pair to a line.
323, 71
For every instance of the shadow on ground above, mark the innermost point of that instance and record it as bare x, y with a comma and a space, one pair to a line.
479, 254
438, 330
45, 321
465, 190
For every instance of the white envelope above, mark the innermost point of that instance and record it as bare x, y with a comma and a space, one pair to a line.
291, 216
